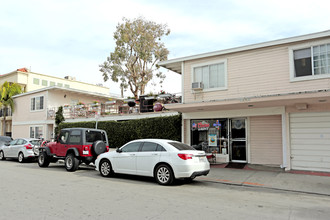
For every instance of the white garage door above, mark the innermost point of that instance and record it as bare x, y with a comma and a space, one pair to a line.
310, 141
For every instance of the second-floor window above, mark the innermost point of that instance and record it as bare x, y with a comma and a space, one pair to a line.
37, 103
213, 76
312, 61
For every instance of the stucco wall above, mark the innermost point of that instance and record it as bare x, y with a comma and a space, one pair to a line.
251, 73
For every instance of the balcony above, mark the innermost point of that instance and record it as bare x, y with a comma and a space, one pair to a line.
145, 104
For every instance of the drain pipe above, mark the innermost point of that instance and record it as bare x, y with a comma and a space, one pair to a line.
284, 145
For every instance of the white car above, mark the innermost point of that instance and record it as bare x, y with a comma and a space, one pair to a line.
165, 160
21, 149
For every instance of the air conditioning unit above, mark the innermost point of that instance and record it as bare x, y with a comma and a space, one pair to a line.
197, 86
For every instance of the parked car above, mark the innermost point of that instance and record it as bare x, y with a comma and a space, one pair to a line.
74, 146
21, 149
165, 160
4, 140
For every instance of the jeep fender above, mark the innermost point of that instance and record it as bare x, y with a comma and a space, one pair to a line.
46, 149
74, 151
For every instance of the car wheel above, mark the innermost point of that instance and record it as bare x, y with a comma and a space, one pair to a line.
20, 157
43, 159
105, 168
164, 175
2, 156
71, 163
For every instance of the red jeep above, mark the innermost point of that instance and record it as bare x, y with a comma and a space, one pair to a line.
75, 146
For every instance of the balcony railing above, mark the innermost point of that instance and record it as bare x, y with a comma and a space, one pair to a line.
114, 108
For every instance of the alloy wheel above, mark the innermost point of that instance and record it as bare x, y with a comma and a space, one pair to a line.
105, 168
163, 175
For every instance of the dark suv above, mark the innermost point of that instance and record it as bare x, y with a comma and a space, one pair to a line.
75, 146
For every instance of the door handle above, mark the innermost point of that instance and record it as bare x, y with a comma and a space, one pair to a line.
154, 154
132, 154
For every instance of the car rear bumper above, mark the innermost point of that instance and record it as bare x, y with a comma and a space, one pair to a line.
189, 171
200, 173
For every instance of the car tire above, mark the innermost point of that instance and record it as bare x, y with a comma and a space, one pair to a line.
20, 157
43, 159
2, 156
99, 147
71, 163
105, 168
164, 175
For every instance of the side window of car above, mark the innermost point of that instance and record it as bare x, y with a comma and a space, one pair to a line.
19, 141
132, 147
160, 148
75, 137
149, 146
63, 138
13, 142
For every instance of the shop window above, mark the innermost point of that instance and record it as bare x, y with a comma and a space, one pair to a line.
209, 134
36, 132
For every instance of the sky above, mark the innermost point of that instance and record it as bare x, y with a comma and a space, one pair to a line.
73, 37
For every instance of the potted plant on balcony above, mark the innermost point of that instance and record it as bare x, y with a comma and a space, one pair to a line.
130, 101
95, 103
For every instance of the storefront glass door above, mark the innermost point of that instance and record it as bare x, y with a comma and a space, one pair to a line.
238, 140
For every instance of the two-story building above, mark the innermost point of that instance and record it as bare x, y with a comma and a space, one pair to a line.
30, 81
266, 103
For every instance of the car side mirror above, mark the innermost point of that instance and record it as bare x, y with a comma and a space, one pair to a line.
119, 150
7, 144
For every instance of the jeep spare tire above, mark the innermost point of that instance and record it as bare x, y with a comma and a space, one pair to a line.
99, 147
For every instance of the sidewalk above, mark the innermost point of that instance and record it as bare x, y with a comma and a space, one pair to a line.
271, 178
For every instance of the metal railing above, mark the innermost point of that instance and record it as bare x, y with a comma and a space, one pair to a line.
115, 108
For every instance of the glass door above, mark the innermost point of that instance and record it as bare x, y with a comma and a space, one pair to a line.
238, 140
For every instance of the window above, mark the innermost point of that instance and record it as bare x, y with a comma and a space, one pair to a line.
37, 103
132, 147
312, 61
75, 137
36, 81
181, 146
36, 132
60, 84
148, 146
63, 138
66, 86
212, 75
44, 83
92, 136
52, 83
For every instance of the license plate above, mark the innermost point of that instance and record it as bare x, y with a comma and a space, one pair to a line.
201, 159
85, 152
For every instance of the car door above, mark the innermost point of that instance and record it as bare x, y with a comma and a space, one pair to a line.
124, 161
7, 149
17, 147
147, 158
61, 146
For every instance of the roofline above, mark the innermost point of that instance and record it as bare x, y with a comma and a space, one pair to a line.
247, 47
64, 89
27, 73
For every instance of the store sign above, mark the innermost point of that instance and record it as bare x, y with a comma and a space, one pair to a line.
201, 126
213, 140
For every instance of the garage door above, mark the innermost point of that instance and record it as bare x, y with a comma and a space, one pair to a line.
310, 141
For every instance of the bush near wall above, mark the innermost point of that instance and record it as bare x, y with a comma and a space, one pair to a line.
119, 133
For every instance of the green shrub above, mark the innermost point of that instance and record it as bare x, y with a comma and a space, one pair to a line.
119, 133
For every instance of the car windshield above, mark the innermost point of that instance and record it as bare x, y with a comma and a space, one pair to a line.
181, 146
92, 136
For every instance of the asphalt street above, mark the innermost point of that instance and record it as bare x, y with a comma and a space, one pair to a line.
30, 192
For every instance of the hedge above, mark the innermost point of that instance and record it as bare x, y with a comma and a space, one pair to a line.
121, 132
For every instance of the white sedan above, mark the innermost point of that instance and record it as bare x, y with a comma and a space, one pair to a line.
165, 160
